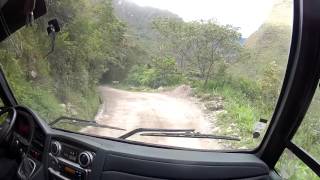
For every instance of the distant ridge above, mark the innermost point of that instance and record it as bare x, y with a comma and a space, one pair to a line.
138, 18
271, 42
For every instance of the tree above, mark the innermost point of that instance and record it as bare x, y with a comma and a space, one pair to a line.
270, 82
199, 44
90, 41
219, 43
175, 39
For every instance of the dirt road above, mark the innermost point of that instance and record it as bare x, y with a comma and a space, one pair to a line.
174, 110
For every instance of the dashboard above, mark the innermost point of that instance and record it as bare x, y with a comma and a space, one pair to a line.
62, 155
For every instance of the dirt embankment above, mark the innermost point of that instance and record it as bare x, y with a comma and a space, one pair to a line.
174, 109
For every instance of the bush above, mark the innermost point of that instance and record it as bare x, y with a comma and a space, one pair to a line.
242, 102
40, 93
161, 72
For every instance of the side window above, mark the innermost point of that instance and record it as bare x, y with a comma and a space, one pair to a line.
306, 145
291, 167
308, 134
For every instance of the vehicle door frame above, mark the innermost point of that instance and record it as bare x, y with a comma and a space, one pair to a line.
300, 83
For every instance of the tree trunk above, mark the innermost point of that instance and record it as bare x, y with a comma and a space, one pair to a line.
208, 74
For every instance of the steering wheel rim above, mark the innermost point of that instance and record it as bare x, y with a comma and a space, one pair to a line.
7, 125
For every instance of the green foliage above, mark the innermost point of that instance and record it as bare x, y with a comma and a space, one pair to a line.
269, 43
270, 82
90, 42
198, 46
39, 98
242, 103
161, 72
93, 43
290, 167
307, 136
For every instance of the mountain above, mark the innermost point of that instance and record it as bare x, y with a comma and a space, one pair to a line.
271, 42
139, 20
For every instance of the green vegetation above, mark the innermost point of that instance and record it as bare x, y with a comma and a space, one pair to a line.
308, 133
142, 48
200, 53
160, 72
210, 58
244, 102
290, 167
92, 41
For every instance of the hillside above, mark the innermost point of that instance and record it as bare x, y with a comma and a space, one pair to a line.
139, 21
139, 18
271, 42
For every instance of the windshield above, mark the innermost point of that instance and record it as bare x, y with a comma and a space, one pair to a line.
195, 74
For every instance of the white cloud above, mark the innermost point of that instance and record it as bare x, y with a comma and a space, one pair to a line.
246, 14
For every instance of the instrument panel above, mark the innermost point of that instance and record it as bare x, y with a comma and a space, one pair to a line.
67, 161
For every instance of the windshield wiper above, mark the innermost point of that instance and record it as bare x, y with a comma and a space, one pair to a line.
191, 135
72, 120
138, 130
186, 133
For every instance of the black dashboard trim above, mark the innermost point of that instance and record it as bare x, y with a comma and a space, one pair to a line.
182, 170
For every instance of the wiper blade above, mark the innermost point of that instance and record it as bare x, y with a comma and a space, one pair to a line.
190, 135
187, 133
72, 120
138, 130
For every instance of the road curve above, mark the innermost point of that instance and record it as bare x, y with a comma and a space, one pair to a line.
130, 110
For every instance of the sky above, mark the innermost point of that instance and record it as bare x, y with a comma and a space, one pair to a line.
248, 15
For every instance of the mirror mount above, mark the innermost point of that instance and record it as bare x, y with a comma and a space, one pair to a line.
259, 128
52, 29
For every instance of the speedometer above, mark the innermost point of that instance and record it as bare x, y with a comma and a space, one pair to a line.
23, 128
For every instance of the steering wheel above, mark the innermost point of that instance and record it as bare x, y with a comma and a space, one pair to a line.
7, 120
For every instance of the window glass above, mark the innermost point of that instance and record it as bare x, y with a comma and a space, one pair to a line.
208, 68
308, 134
292, 168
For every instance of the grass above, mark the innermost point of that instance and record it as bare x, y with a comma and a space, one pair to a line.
41, 96
239, 110
244, 111
246, 101
290, 167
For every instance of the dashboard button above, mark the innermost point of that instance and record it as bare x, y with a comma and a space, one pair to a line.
85, 159
55, 148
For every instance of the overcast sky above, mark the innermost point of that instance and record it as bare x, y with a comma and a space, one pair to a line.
248, 15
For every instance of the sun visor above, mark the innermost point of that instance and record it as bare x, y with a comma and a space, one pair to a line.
15, 14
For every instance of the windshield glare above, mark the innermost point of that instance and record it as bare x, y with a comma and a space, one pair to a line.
200, 75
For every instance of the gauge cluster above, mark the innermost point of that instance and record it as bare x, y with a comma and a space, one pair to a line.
28, 137
24, 128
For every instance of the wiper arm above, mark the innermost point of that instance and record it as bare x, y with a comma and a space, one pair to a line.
187, 133
72, 120
190, 135
138, 130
